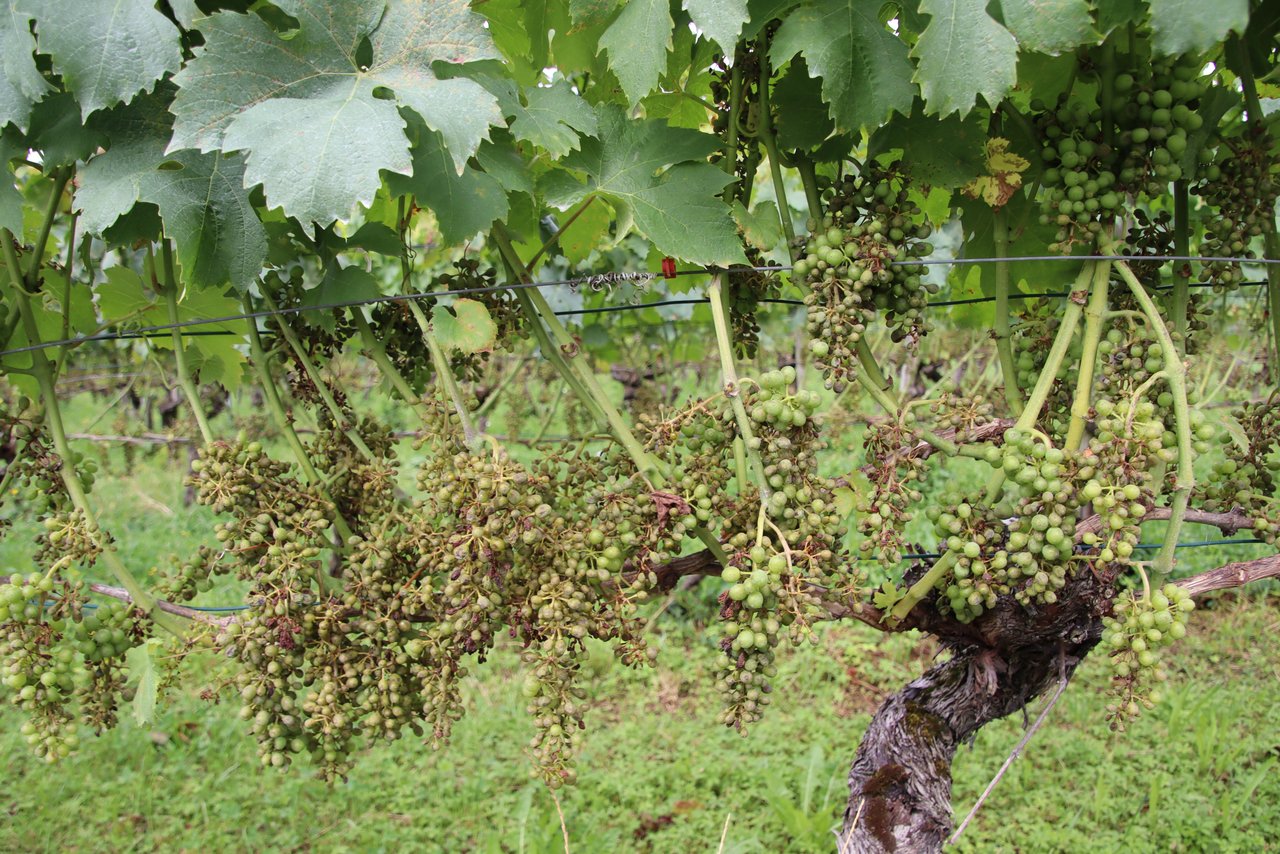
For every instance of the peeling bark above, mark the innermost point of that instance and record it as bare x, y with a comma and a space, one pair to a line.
900, 782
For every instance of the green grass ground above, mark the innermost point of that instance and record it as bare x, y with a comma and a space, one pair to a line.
1200, 773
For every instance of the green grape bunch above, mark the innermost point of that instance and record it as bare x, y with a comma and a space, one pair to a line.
860, 262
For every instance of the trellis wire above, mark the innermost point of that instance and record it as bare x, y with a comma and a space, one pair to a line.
609, 279
231, 609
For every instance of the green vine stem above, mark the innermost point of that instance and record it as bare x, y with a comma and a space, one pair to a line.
731, 134
1271, 251
271, 396
340, 419
765, 135
732, 386
1176, 379
60, 178
1182, 269
568, 347
581, 380
1095, 314
1002, 333
447, 380
867, 359
189, 387
809, 179
42, 369
1026, 421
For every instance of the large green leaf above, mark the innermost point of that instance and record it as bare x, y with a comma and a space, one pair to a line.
643, 168
552, 117
1119, 13
106, 52
963, 53
803, 120
318, 125
1048, 26
463, 204
21, 85
316, 157
1187, 26
201, 197
637, 43
721, 20
864, 68
943, 152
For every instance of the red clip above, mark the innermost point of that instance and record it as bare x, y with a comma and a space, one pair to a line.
668, 268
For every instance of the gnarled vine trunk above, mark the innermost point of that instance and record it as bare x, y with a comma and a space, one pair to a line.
900, 782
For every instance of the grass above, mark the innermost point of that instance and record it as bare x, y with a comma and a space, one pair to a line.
658, 774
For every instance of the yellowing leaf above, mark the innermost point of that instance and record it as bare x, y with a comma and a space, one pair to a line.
1004, 175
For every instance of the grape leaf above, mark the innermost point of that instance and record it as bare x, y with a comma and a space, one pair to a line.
142, 671
201, 197
590, 13
105, 52
21, 84
463, 204
864, 68
637, 43
319, 127
1119, 13
642, 167
315, 156
185, 11
721, 20
552, 118
1189, 26
468, 328
1048, 26
946, 152
961, 54
803, 120
499, 158
58, 132
579, 239
761, 226
11, 146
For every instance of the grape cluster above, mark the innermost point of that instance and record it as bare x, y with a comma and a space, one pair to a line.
896, 478
786, 536
859, 260
1247, 478
1090, 166
1139, 628
747, 287
1242, 185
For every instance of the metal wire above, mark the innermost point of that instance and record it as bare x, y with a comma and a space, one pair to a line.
162, 330
922, 556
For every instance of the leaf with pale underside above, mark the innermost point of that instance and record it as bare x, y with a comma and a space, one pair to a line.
21, 85
107, 51
318, 127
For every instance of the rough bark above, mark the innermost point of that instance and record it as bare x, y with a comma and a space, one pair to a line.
900, 782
